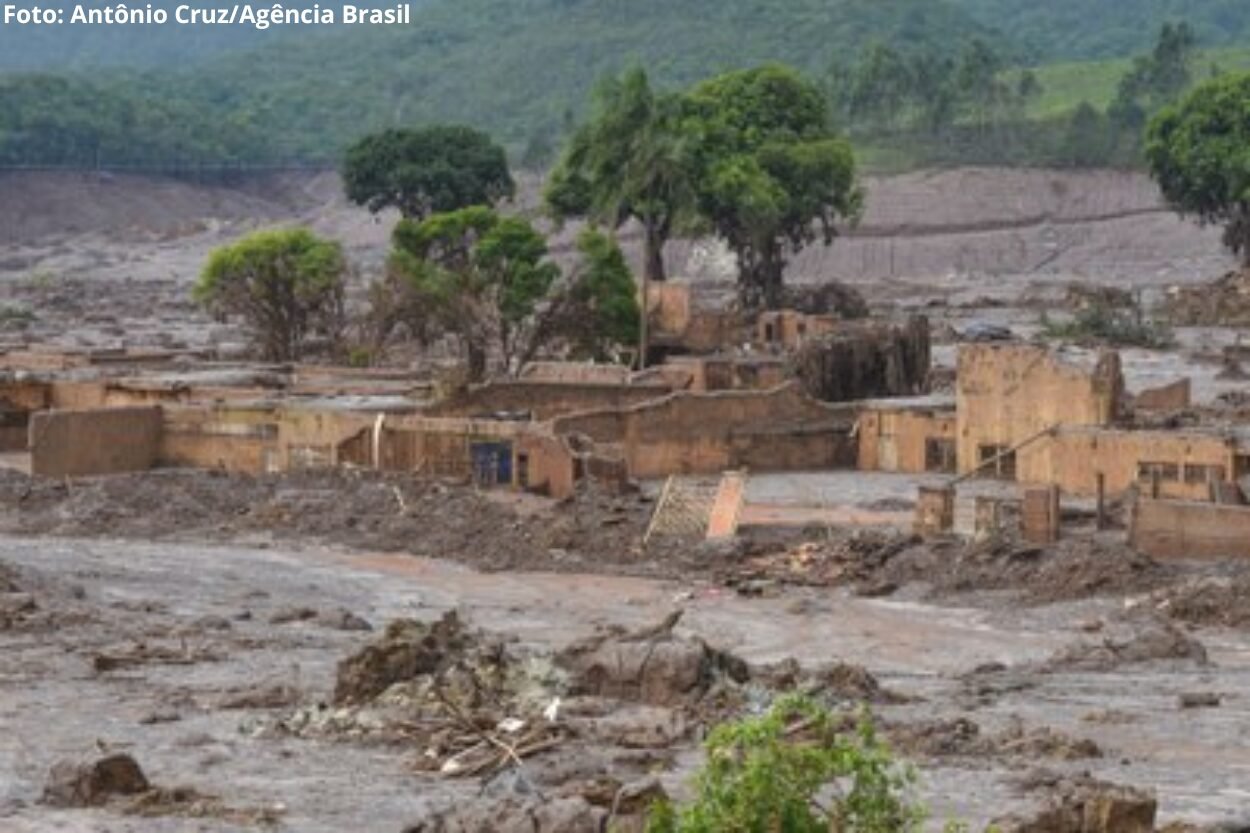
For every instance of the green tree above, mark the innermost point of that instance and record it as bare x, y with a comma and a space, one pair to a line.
631, 160
771, 773
1087, 141
481, 277
773, 176
879, 87
1156, 79
933, 92
287, 285
979, 83
601, 314
420, 172
1199, 152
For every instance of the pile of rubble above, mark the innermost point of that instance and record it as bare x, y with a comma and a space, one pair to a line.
1079, 295
878, 562
614, 706
866, 361
117, 781
854, 559
16, 607
369, 510
1212, 600
1135, 638
1222, 302
1084, 805
963, 738
33, 604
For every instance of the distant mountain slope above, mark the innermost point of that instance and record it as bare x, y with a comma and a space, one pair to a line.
1055, 29
1050, 29
721, 29
517, 66
83, 47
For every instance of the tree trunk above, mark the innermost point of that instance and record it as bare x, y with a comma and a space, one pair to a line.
1237, 234
476, 355
654, 252
772, 279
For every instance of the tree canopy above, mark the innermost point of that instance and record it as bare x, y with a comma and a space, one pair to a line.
791, 769
434, 169
1199, 152
481, 275
486, 279
287, 285
601, 312
631, 160
772, 176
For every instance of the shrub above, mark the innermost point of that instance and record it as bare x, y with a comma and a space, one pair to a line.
794, 769
1103, 323
286, 284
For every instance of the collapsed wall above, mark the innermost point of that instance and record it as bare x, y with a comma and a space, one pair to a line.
866, 361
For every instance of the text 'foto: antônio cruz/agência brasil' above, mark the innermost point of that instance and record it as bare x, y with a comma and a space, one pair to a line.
255, 16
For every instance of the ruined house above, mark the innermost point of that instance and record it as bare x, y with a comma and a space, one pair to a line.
865, 360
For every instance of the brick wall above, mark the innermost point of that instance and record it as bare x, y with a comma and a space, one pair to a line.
686, 433
100, 441
544, 400
1009, 393
1173, 529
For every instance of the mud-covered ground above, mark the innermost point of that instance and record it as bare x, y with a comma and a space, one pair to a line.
102, 260
196, 621
998, 669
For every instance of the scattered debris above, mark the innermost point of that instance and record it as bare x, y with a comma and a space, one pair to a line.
352, 507
1222, 302
825, 298
1200, 700
92, 783
651, 666
292, 614
142, 653
838, 681
261, 696
963, 738
1134, 639
1079, 296
516, 814
1223, 601
1085, 805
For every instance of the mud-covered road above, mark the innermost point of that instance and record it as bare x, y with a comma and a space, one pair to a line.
216, 606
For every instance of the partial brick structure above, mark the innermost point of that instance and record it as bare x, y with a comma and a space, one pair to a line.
935, 510
1039, 515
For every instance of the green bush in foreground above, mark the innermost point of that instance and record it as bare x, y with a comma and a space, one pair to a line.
794, 770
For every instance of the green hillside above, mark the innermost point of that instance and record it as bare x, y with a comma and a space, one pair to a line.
517, 67
523, 70
1068, 29
1065, 85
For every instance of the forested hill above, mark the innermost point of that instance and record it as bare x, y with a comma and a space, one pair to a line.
1046, 30
1066, 29
518, 67
700, 33
521, 69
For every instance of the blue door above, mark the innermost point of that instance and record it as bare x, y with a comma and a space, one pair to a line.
492, 463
